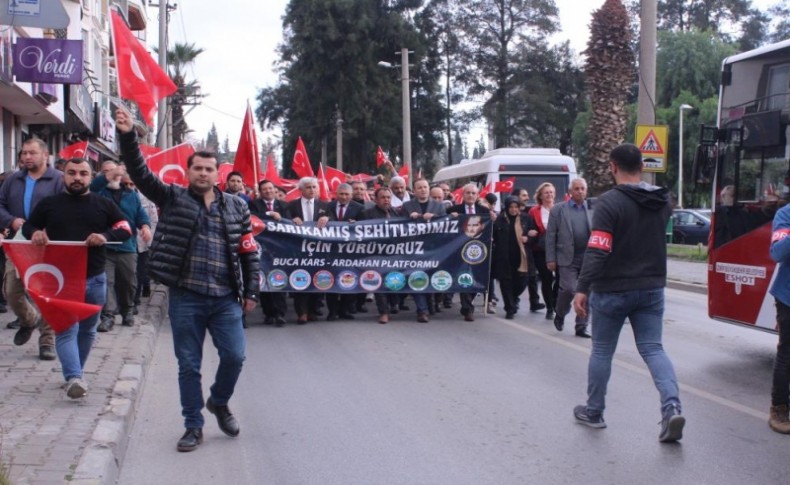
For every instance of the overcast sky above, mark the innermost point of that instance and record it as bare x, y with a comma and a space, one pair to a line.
239, 39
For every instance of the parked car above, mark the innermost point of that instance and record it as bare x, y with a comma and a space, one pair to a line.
690, 226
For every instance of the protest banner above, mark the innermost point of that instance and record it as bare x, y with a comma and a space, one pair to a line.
382, 255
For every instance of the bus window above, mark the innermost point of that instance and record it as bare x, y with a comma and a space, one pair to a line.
749, 180
532, 181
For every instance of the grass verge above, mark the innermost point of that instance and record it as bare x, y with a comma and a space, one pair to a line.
688, 253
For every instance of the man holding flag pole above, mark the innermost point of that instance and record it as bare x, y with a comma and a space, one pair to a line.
73, 215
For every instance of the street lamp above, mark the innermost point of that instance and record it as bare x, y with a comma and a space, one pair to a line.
404, 69
682, 108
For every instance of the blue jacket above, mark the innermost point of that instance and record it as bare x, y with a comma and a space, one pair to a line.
130, 206
12, 193
780, 252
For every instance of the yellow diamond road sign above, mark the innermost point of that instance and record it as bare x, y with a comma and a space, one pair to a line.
652, 142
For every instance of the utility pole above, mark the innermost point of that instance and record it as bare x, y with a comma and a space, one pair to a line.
162, 140
404, 69
339, 123
646, 114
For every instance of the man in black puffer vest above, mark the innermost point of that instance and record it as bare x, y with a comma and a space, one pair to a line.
205, 252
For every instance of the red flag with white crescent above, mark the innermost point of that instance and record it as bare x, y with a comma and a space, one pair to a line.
148, 151
505, 185
140, 78
404, 172
301, 163
54, 276
75, 150
271, 172
334, 177
380, 157
171, 165
248, 160
323, 186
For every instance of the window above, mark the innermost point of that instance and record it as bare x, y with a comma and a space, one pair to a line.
779, 87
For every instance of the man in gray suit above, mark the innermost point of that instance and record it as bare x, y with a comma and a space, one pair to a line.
422, 207
566, 240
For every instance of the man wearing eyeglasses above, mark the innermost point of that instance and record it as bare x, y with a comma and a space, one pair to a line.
121, 262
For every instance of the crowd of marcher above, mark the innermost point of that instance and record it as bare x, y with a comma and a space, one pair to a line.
204, 251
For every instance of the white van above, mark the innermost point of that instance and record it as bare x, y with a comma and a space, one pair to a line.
530, 167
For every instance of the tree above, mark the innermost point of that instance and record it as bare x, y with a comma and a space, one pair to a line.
458, 148
610, 73
689, 61
549, 95
226, 145
780, 30
212, 139
494, 29
188, 93
328, 62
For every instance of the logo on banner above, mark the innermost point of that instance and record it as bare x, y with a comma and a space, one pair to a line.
465, 280
441, 280
418, 280
741, 274
474, 252
277, 279
299, 279
370, 280
347, 280
323, 280
395, 281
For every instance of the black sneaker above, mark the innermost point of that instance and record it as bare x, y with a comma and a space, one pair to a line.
559, 323
225, 419
671, 425
46, 352
24, 333
593, 420
106, 324
128, 319
191, 439
14, 324
537, 307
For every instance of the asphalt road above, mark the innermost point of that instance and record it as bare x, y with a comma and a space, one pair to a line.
453, 402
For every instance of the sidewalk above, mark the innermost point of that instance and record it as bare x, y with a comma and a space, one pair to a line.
47, 438
687, 275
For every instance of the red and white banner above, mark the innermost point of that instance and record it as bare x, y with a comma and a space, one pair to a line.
54, 276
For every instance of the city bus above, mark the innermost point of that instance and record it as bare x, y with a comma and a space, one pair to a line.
530, 167
745, 159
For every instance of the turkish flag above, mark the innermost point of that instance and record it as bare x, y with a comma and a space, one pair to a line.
171, 165
380, 157
301, 164
362, 177
54, 276
458, 195
75, 150
323, 186
271, 172
505, 185
334, 177
248, 160
222, 174
148, 150
140, 78
293, 194
404, 172
483, 192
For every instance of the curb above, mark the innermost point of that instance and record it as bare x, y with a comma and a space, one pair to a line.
686, 286
101, 459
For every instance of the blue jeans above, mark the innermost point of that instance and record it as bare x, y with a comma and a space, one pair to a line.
74, 345
191, 314
645, 310
421, 301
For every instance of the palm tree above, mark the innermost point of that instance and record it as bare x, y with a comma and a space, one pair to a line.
188, 93
609, 75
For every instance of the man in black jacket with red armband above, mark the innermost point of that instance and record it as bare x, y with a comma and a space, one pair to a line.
204, 251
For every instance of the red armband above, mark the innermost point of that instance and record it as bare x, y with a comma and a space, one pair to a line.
247, 244
600, 240
779, 234
122, 225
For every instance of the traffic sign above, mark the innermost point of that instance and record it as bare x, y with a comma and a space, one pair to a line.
652, 142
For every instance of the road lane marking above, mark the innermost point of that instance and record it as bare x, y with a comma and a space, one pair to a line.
643, 371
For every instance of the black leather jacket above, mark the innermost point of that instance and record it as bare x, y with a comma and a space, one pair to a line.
177, 225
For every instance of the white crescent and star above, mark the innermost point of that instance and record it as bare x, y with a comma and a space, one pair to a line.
169, 167
45, 268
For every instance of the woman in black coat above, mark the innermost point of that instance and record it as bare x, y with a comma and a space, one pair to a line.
509, 257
